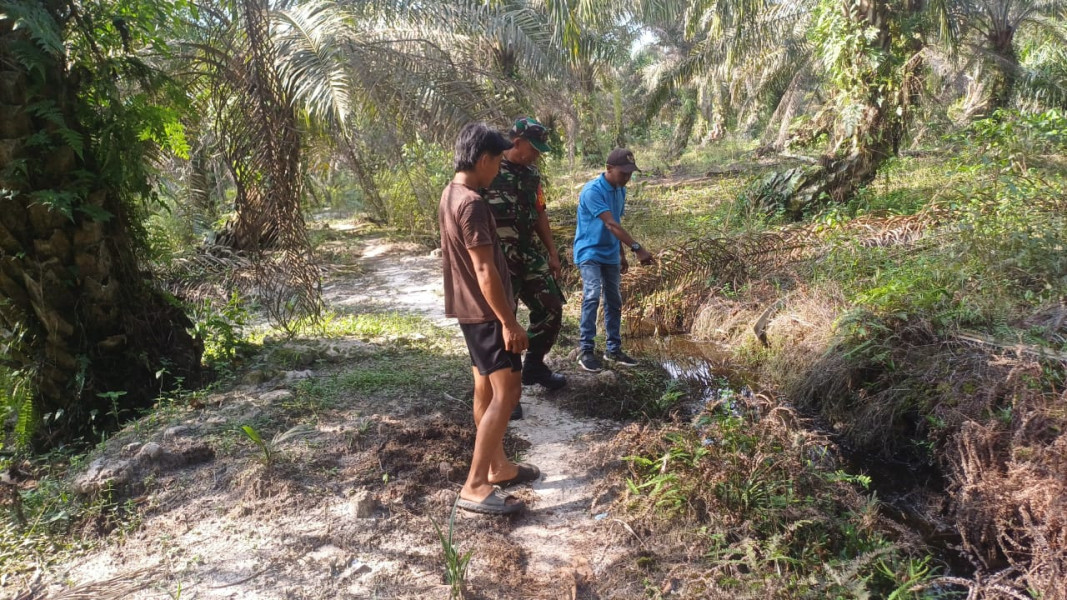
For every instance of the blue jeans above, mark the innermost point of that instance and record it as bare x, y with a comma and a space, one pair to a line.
598, 278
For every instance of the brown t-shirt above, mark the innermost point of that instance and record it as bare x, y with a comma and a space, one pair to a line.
467, 222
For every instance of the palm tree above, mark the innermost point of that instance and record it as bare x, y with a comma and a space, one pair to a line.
1043, 73
549, 57
366, 75
990, 30
868, 50
80, 321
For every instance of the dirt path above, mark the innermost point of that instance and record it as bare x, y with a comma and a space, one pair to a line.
558, 537
395, 277
346, 511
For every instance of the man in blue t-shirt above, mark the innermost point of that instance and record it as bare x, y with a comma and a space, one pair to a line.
600, 245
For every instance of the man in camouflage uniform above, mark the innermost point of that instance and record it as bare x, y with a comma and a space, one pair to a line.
517, 200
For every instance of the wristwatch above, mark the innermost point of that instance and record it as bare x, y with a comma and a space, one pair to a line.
635, 246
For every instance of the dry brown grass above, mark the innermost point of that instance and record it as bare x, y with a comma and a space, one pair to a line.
1009, 489
700, 271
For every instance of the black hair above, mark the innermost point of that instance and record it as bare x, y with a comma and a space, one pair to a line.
476, 139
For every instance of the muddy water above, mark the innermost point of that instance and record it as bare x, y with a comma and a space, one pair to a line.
688, 360
905, 489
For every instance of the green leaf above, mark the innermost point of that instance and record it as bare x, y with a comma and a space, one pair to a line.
73, 139
32, 16
252, 434
95, 213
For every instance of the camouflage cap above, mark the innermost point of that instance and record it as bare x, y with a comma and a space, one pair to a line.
533, 131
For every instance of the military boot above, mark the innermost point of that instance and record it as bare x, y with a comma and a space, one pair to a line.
535, 371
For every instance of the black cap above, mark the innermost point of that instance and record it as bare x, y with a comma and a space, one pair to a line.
623, 159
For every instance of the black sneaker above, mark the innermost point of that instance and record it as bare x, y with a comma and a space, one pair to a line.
516, 415
589, 362
620, 358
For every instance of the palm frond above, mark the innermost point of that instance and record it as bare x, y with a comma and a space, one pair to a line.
1043, 75
310, 60
737, 40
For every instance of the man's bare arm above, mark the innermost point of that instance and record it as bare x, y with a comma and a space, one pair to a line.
627, 240
544, 231
492, 287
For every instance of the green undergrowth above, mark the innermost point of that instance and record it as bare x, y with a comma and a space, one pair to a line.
374, 327
744, 499
423, 379
942, 344
989, 274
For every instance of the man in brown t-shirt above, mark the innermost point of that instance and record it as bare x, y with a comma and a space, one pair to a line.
478, 294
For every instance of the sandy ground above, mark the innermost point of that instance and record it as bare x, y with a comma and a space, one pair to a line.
227, 527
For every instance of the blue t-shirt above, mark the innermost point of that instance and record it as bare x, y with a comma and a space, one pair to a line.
592, 240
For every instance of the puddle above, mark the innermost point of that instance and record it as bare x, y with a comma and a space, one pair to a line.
686, 359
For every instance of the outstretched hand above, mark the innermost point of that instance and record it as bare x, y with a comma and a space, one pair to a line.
645, 257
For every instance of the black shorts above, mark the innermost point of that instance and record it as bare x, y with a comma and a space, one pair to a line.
485, 342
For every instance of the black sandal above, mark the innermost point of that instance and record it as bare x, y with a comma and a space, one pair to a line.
495, 503
527, 473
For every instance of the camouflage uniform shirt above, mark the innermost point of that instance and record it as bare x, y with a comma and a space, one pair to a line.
515, 196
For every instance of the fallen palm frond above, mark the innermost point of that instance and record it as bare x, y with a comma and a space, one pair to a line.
119, 587
671, 293
286, 285
1008, 492
210, 272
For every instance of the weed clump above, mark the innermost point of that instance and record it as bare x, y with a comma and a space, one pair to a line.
744, 499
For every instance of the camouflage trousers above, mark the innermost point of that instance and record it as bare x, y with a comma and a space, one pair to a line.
533, 284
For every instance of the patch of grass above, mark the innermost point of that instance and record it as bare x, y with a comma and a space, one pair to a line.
374, 326
904, 186
414, 373
47, 523
645, 391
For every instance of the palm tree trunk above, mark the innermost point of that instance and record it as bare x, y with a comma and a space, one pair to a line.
861, 148
372, 198
774, 139
684, 130
996, 74
83, 323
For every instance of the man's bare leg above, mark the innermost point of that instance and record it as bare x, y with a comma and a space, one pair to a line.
500, 468
495, 397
